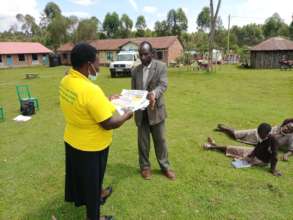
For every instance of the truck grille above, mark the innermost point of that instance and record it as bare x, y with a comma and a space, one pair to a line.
119, 65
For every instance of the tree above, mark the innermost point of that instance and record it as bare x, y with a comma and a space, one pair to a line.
73, 22
28, 25
204, 19
111, 25
214, 16
87, 30
248, 35
161, 28
275, 26
140, 26
52, 10
126, 25
176, 22
291, 31
57, 31
182, 21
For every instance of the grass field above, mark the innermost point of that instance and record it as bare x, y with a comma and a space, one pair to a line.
207, 187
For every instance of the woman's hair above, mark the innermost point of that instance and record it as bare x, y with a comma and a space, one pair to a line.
81, 54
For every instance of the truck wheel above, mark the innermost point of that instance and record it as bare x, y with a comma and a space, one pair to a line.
113, 74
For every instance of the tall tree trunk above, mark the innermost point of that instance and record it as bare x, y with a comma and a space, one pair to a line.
213, 20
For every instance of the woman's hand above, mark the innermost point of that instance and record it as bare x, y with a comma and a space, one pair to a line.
115, 96
128, 114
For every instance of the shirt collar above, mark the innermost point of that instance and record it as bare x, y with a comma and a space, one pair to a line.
149, 66
77, 74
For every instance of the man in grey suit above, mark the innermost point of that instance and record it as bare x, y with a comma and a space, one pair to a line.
151, 75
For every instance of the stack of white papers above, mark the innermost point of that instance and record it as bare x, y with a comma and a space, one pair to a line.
240, 164
132, 100
22, 118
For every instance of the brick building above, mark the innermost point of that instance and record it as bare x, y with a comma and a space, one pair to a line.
19, 54
167, 49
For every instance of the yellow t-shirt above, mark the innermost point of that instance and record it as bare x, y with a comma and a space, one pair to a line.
84, 105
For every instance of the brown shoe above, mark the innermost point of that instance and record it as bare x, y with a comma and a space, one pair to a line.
169, 174
146, 173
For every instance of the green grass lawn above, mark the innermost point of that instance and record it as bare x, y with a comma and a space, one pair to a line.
207, 187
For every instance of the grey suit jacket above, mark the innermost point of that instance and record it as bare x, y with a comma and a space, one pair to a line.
156, 81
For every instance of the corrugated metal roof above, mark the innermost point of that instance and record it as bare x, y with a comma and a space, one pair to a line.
115, 44
22, 48
274, 43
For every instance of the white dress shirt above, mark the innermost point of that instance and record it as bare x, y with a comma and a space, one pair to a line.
146, 70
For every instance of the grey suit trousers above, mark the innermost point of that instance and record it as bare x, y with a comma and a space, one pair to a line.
158, 134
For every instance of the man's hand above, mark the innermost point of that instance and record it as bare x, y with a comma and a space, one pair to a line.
151, 97
276, 173
115, 96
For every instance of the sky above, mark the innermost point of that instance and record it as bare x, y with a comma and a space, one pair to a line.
242, 11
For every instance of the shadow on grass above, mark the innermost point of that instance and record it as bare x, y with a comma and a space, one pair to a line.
57, 209
120, 171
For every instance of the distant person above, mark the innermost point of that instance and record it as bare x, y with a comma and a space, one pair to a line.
283, 134
264, 152
88, 132
151, 75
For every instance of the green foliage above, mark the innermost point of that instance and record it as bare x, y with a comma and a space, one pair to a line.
52, 10
56, 33
111, 25
140, 26
207, 187
126, 25
275, 26
185, 58
250, 35
161, 28
291, 31
204, 19
87, 29
176, 22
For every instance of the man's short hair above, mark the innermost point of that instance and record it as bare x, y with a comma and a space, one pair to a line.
81, 54
264, 128
148, 43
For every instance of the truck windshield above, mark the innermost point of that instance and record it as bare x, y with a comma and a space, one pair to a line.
125, 57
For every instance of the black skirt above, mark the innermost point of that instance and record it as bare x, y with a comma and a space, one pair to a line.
84, 174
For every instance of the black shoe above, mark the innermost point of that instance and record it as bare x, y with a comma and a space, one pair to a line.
104, 199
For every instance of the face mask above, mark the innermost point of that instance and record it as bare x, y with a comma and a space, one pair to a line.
93, 77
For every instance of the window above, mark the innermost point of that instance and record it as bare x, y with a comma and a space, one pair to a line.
35, 57
21, 57
109, 55
159, 55
65, 56
0, 59
125, 57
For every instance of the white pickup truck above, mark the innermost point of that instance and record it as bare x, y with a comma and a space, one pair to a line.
126, 61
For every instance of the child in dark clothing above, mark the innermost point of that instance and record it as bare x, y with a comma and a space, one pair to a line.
264, 152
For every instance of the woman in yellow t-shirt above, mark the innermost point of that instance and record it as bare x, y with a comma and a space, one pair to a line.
88, 132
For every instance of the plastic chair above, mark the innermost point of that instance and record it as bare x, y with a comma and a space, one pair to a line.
2, 115
23, 93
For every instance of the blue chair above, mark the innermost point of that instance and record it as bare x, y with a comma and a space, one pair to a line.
23, 93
